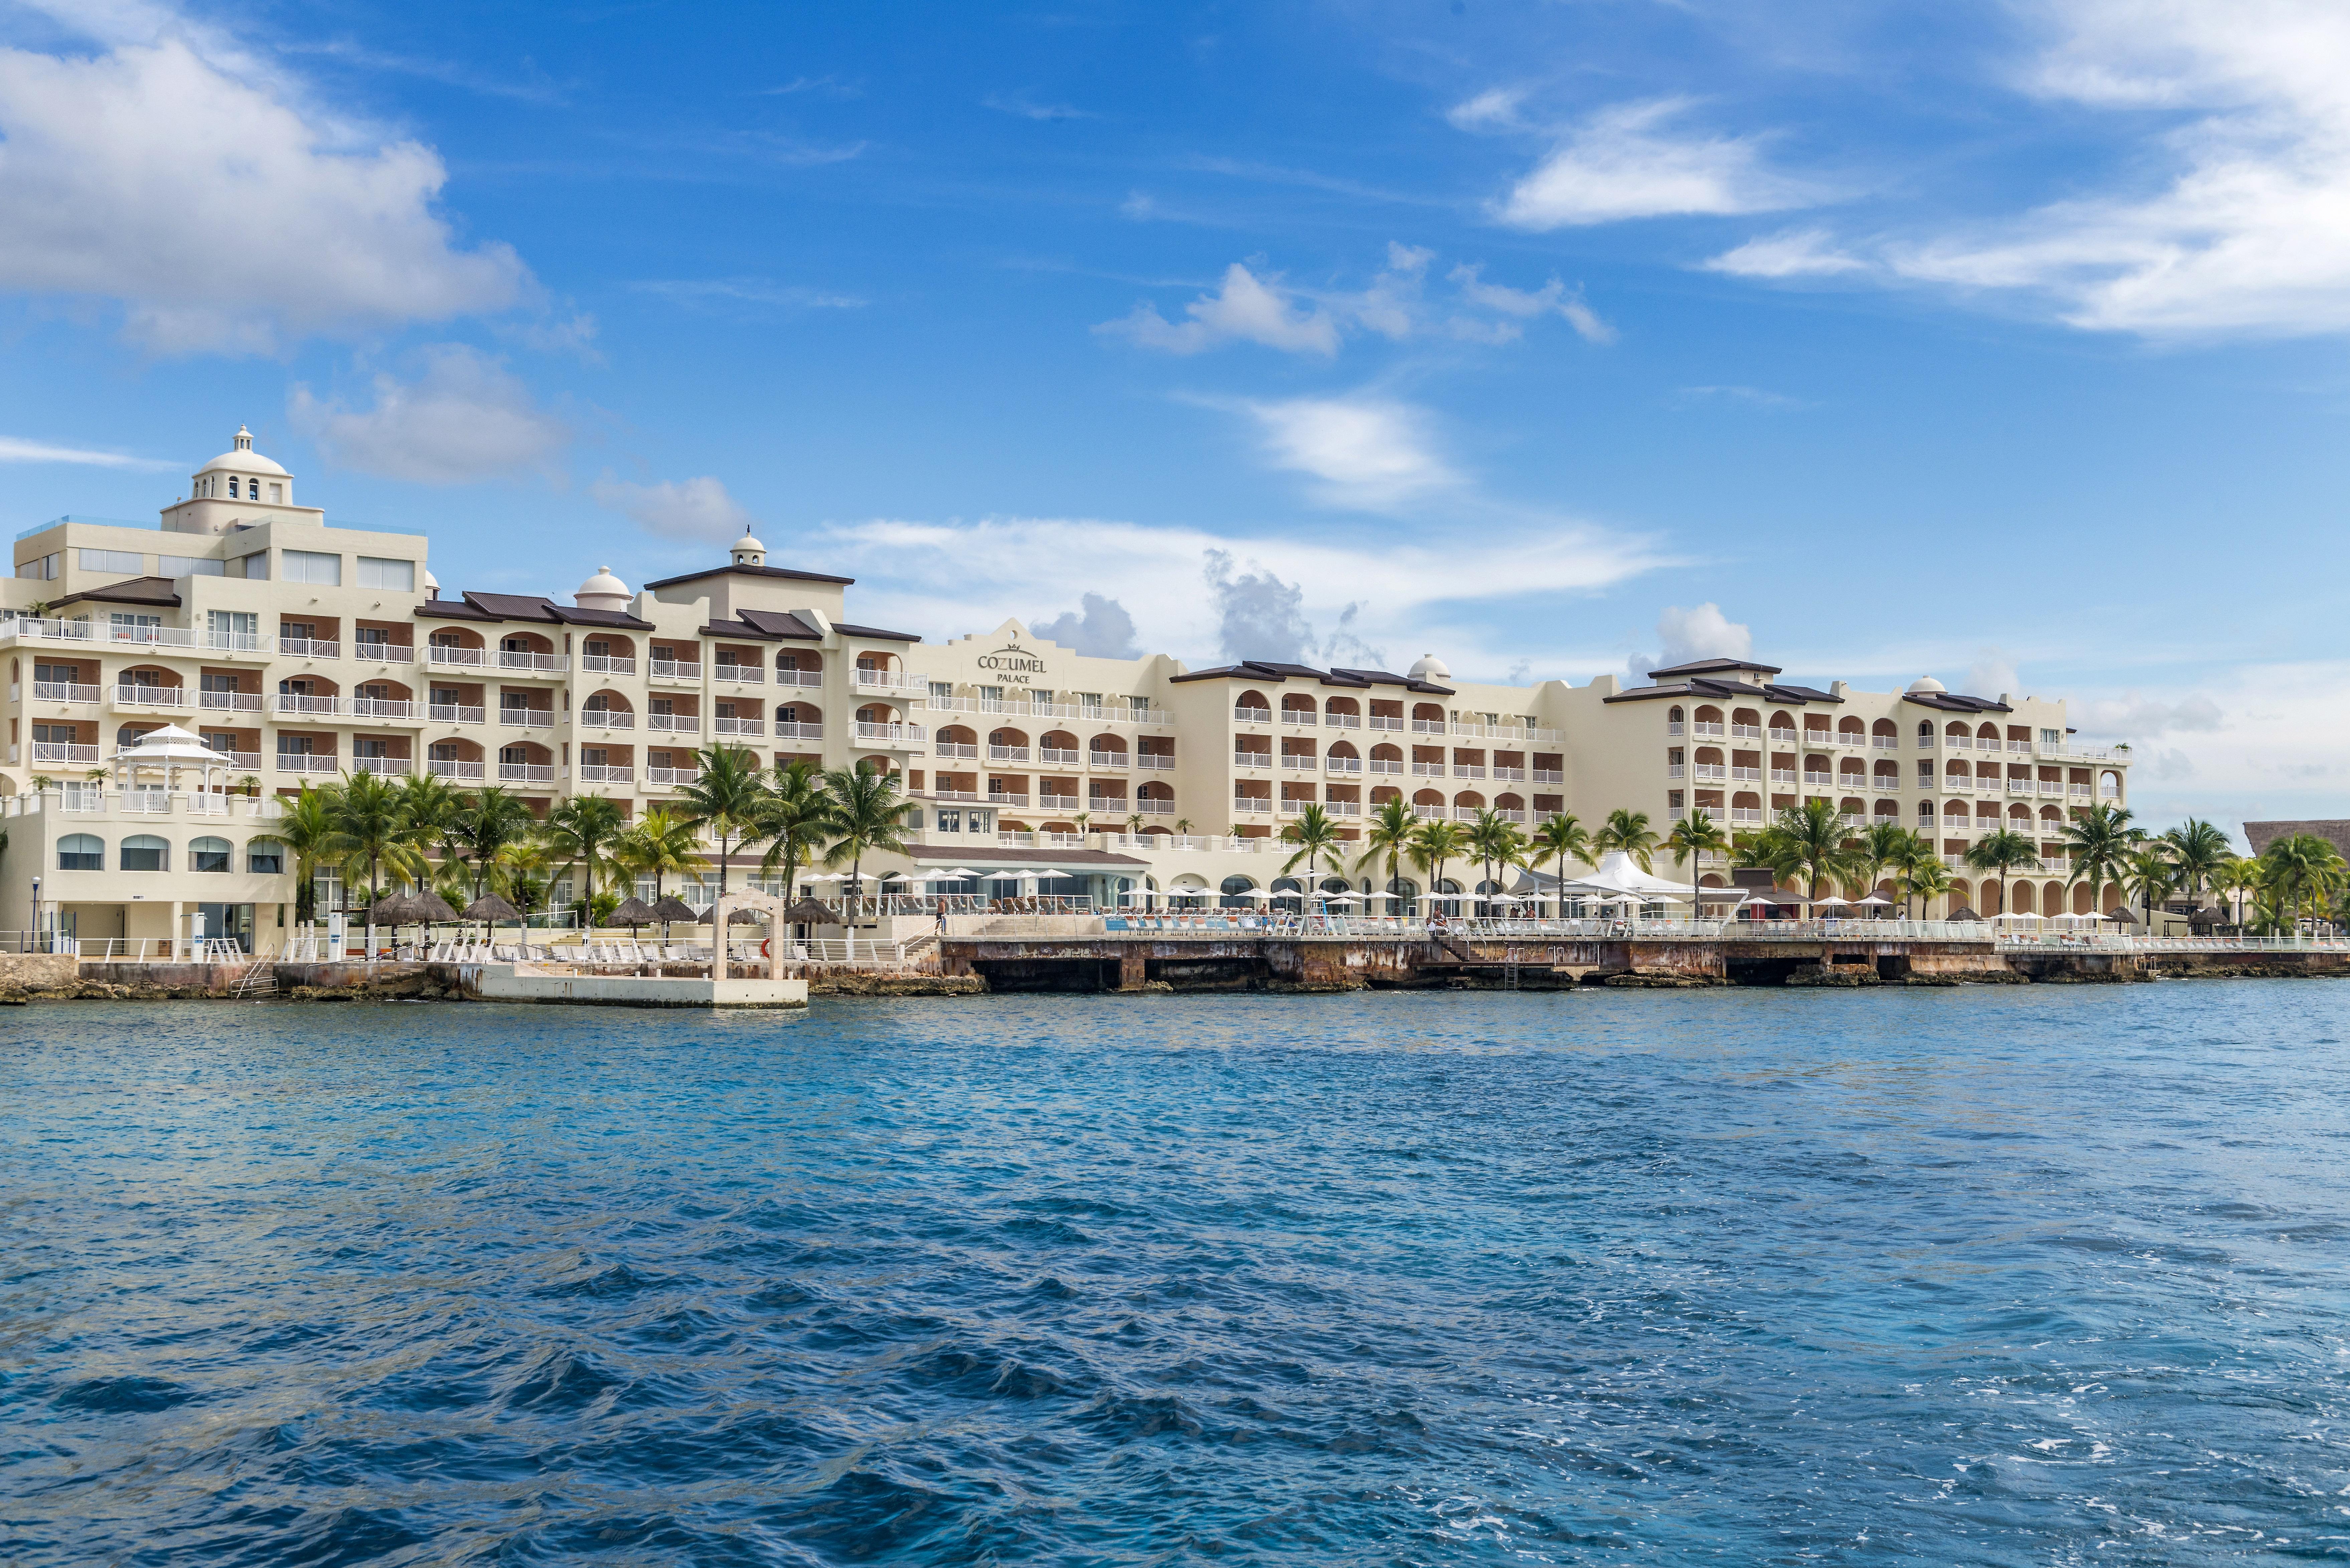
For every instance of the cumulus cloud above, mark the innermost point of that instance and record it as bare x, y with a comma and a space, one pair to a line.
1494, 107
15, 448
1100, 627
1992, 671
1258, 616
1630, 162
2132, 716
1244, 309
221, 213
1685, 636
1363, 453
696, 509
465, 418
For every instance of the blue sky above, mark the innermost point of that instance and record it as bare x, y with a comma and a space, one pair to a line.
1997, 342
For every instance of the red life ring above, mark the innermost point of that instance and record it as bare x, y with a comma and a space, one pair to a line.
763, 950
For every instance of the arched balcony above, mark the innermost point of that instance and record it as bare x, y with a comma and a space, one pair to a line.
529, 653
1007, 746
1107, 751
1298, 708
799, 667
1707, 723
149, 686
457, 760
801, 721
454, 648
1428, 719
607, 653
957, 741
305, 696
526, 762
1343, 713
1058, 749
606, 711
1251, 708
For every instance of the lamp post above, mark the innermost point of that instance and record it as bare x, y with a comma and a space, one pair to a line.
37, 914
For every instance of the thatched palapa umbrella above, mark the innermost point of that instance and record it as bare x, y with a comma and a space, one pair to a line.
672, 908
632, 912
409, 910
490, 908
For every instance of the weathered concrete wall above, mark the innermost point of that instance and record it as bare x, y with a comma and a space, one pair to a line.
22, 974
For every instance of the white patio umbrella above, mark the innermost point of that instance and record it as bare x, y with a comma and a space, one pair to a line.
1830, 902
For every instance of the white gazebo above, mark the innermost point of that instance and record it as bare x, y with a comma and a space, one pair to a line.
170, 748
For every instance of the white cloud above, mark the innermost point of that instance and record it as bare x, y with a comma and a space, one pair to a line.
1805, 253
1407, 590
698, 509
1552, 298
751, 291
1245, 309
1685, 636
1365, 452
13, 449
1992, 671
1494, 106
1100, 628
1751, 397
2134, 717
465, 418
1625, 163
1024, 107
222, 213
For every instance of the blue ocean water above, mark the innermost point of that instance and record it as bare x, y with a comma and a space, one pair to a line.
2035, 1275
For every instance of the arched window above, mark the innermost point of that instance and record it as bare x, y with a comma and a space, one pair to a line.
1925, 729
1926, 812
81, 852
1232, 888
265, 858
232, 487
145, 852
209, 855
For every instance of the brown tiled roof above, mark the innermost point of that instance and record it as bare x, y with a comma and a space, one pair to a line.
846, 630
780, 623
129, 591
536, 608
731, 570
1952, 703
1727, 691
1273, 673
1714, 667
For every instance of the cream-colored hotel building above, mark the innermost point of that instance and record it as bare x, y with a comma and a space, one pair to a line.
300, 652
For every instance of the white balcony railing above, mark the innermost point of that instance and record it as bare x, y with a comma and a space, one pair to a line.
127, 696
1387, 765
1343, 721
794, 730
607, 664
1006, 797
65, 692
308, 648
674, 723
1386, 722
606, 772
686, 671
723, 726
301, 703
1299, 762
1059, 757
1164, 761
1301, 717
811, 678
892, 734
452, 768
607, 719
1105, 759
1250, 805
392, 766
384, 652
670, 778
1707, 729
307, 763
1343, 764
1252, 759
1466, 771
532, 663
382, 708
525, 773
1550, 775
963, 749
454, 656
1252, 715
1154, 808
1007, 753
526, 717
454, 713
62, 753
871, 679
739, 674
229, 702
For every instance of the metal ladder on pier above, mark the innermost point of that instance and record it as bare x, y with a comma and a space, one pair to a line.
259, 979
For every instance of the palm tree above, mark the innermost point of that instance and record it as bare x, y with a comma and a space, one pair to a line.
1432, 844
1808, 841
2299, 867
867, 813
1495, 840
1389, 834
2000, 851
369, 830
1927, 880
1916, 850
583, 830
434, 812
2149, 875
1629, 831
800, 819
2197, 851
517, 871
2238, 876
727, 799
307, 829
660, 843
1559, 839
491, 819
2098, 843
1886, 843
1692, 838
1315, 840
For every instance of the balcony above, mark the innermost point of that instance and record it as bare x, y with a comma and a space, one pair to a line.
2050, 786
1252, 759
1715, 773
1550, 775
897, 735
65, 692
1164, 761
793, 729
395, 767
1007, 753
954, 794
1252, 715
1294, 807
454, 713
2019, 748
739, 674
1428, 769
1299, 762
1386, 722
1746, 776
1884, 743
813, 680
1344, 808
606, 664
1514, 775
674, 723
961, 749
1252, 805
534, 663
1105, 759
1466, 771
670, 778
62, 754
1343, 721
688, 672
723, 725
452, 768
1708, 731
308, 648
296, 702
526, 717
307, 763
1819, 781
607, 719
383, 707
385, 652
1746, 731
1300, 718
1107, 805
1957, 786
1745, 816
603, 773
525, 773
1387, 765
229, 702
1784, 778
454, 656
1054, 756
1154, 808
1343, 764
868, 678
127, 696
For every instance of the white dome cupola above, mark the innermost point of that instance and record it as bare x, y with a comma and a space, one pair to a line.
603, 592
1427, 667
1926, 683
242, 473
749, 552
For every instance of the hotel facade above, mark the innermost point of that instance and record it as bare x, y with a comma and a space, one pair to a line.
300, 652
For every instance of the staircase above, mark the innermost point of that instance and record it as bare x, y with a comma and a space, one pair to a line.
259, 980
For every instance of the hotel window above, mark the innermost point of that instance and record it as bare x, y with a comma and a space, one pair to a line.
2051, 737
312, 566
1925, 772
265, 858
1089, 703
942, 690
233, 628
189, 567
295, 745
81, 852
145, 852
1138, 707
221, 740
128, 626
254, 567
373, 637
113, 561
208, 854
950, 822
381, 572
991, 698
232, 487
43, 568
